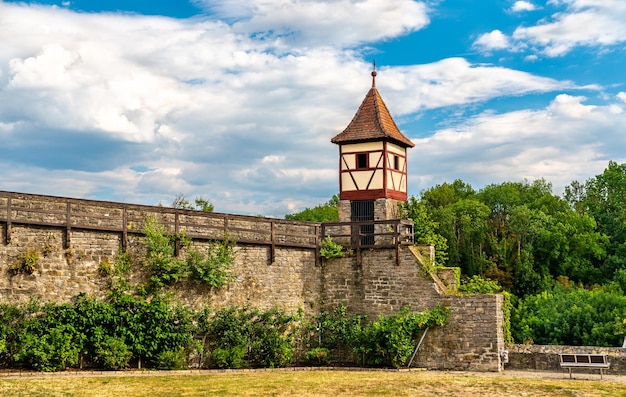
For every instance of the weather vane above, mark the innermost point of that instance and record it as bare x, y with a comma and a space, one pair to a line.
374, 74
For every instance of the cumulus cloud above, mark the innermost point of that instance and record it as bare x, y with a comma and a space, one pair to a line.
521, 5
455, 81
328, 22
494, 40
555, 143
583, 23
241, 109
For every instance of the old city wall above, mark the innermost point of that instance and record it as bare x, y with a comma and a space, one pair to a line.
275, 260
277, 264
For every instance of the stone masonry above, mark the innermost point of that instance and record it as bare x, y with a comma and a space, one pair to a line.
277, 264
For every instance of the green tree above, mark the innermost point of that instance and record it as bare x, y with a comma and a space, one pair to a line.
603, 198
425, 229
327, 212
201, 204
571, 316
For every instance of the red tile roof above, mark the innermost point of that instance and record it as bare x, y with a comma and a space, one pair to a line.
372, 122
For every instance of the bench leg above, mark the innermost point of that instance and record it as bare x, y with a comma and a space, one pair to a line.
570, 372
600, 373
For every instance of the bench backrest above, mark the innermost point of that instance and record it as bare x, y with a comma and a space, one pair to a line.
583, 358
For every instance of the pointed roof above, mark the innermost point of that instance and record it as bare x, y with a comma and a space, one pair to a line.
372, 122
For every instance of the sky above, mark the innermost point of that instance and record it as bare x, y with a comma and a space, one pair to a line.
236, 101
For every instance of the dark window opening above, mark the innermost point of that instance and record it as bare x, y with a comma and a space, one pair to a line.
396, 162
361, 160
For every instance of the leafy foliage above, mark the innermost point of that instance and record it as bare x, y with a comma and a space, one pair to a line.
330, 249
388, 341
247, 337
27, 264
211, 266
571, 316
201, 204
479, 285
326, 212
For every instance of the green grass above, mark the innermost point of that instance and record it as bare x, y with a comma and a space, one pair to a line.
306, 384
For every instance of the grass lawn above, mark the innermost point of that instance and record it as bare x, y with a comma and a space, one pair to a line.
309, 383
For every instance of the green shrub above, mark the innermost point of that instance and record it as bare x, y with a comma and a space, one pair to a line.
171, 359
480, 285
165, 267
386, 342
27, 264
213, 266
318, 356
248, 337
230, 357
113, 353
52, 351
330, 249
391, 340
571, 316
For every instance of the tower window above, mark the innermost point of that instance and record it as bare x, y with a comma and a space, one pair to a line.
396, 162
361, 160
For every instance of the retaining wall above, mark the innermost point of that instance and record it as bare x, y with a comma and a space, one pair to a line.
546, 357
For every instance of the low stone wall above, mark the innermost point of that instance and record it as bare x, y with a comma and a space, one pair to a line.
472, 338
546, 357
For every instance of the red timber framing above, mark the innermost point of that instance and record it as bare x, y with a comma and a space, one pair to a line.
384, 164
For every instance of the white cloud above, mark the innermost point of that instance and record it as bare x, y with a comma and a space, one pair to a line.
555, 143
494, 40
583, 23
521, 5
328, 22
455, 81
622, 96
137, 109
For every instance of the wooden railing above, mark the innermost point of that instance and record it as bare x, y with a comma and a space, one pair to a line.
105, 216
79, 214
358, 236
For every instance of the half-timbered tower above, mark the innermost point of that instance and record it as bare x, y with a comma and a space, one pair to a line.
372, 163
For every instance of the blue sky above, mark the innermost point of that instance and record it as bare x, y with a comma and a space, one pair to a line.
236, 102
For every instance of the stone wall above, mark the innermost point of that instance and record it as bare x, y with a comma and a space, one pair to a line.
472, 338
291, 281
277, 264
546, 357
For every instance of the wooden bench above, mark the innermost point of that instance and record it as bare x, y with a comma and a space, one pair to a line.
577, 360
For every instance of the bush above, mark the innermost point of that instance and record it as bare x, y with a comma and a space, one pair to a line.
230, 357
330, 249
172, 359
113, 353
480, 285
570, 316
388, 341
49, 352
318, 356
27, 264
213, 266
391, 340
248, 337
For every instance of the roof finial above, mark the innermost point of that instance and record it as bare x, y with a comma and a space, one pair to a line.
374, 75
